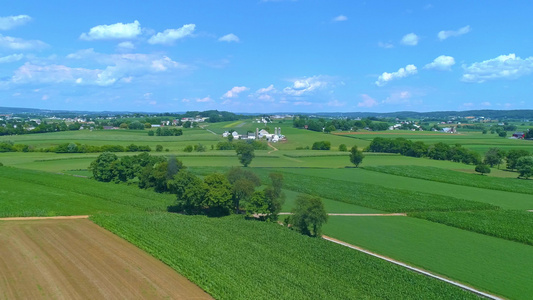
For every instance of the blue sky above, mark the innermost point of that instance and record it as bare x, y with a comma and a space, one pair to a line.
266, 56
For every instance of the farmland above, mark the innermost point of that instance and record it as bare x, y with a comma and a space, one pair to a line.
75, 259
458, 223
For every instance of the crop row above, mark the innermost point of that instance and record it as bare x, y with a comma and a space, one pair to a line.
459, 178
506, 224
231, 258
27, 193
373, 196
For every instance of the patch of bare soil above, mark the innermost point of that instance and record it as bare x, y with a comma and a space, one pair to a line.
76, 259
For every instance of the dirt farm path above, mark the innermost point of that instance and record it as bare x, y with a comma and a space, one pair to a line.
273, 148
45, 218
418, 270
76, 259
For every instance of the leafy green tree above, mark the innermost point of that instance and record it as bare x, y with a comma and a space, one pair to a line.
245, 153
525, 167
199, 148
188, 148
1, 164
243, 184
494, 156
356, 156
502, 134
218, 195
136, 125
308, 215
102, 167
322, 145
329, 129
512, 157
529, 134
266, 204
158, 148
482, 169
190, 191
342, 147
151, 133
147, 125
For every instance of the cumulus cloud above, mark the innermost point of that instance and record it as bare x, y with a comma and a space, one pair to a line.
444, 34
115, 68
367, 101
400, 97
113, 31
204, 100
9, 22
11, 58
340, 18
14, 43
502, 67
410, 39
268, 89
229, 38
441, 63
306, 85
235, 91
126, 45
169, 36
401, 73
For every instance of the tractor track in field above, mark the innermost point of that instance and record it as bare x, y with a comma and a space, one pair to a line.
415, 269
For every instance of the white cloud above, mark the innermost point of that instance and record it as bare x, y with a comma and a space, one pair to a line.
14, 43
444, 34
45, 97
410, 39
401, 73
367, 101
306, 85
502, 67
268, 89
169, 36
486, 104
9, 22
441, 63
126, 45
205, 99
11, 58
235, 91
298, 103
385, 45
113, 31
340, 18
229, 38
115, 68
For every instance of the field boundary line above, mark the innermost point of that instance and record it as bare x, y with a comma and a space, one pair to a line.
44, 218
418, 270
359, 215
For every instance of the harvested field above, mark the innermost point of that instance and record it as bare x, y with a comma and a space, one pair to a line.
76, 259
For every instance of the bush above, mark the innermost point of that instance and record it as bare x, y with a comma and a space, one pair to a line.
1, 164
188, 148
483, 169
158, 148
199, 148
342, 147
323, 145
151, 133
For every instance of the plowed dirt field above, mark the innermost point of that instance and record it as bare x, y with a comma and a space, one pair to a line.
76, 259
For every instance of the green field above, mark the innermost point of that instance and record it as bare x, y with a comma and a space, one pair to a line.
232, 258
496, 265
471, 228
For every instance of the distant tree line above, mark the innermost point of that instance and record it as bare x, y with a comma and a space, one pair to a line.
73, 148
323, 125
438, 151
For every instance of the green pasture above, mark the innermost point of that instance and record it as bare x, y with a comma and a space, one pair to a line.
34, 193
351, 176
492, 264
231, 258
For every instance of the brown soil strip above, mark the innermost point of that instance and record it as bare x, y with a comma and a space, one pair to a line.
76, 259
418, 270
43, 218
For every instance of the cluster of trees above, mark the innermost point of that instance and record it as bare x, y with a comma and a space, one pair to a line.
165, 131
323, 125
321, 145
21, 127
438, 151
73, 148
308, 215
516, 159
